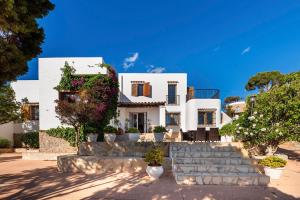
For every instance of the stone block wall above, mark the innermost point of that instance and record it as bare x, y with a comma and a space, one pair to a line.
51, 144
119, 149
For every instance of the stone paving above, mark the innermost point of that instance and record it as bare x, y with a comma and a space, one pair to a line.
24, 179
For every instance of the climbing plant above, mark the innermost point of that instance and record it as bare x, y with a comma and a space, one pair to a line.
96, 103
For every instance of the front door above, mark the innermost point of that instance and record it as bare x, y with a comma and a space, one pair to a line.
138, 120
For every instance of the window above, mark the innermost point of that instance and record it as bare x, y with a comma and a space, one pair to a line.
140, 91
34, 112
30, 111
140, 88
206, 118
172, 119
172, 97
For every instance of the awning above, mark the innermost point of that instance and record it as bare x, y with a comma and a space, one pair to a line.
141, 104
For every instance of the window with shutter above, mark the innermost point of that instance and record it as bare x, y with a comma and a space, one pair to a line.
147, 89
134, 90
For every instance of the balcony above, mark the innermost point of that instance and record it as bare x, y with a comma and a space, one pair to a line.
203, 94
173, 99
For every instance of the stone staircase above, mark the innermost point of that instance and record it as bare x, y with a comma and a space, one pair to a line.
213, 164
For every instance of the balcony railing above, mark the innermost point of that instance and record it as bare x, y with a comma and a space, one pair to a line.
204, 94
173, 99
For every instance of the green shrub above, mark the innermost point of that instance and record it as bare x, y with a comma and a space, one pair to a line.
4, 143
67, 134
133, 130
154, 157
31, 140
228, 129
90, 129
110, 129
159, 129
273, 162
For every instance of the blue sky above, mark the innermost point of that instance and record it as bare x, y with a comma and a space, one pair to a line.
219, 43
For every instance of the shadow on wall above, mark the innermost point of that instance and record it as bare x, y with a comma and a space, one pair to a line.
46, 183
27, 126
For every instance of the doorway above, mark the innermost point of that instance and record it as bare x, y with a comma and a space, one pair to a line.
139, 121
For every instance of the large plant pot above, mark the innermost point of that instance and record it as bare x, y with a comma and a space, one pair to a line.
274, 173
155, 171
133, 136
110, 137
159, 137
92, 137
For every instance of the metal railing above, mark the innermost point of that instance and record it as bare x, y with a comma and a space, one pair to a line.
173, 99
204, 94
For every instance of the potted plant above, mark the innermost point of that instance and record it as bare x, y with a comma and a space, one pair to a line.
154, 158
133, 134
91, 133
273, 166
110, 133
159, 133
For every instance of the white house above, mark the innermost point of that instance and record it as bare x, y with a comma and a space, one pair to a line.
149, 99
146, 99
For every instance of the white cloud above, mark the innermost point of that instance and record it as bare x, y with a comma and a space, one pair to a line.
247, 50
130, 61
153, 69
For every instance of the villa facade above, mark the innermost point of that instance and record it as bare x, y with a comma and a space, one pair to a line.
146, 100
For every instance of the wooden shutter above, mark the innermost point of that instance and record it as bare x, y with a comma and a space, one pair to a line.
134, 88
25, 109
147, 90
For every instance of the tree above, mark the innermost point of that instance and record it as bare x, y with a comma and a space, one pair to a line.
231, 99
264, 81
20, 35
96, 101
228, 109
275, 118
9, 107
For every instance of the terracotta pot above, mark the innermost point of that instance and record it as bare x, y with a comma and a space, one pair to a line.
274, 173
155, 171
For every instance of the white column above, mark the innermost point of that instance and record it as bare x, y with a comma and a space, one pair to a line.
162, 115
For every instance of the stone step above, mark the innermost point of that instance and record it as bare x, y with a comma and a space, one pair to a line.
202, 148
194, 168
206, 154
212, 161
221, 179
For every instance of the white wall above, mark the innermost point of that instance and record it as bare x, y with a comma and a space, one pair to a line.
192, 107
226, 119
49, 77
159, 83
26, 89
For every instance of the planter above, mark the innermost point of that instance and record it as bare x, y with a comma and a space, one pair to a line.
110, 137
92, 137
133, 136
155, 171
159, 137
274, 173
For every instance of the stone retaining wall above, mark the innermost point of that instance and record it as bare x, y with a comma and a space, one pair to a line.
97, 165
119, 149
51, 144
